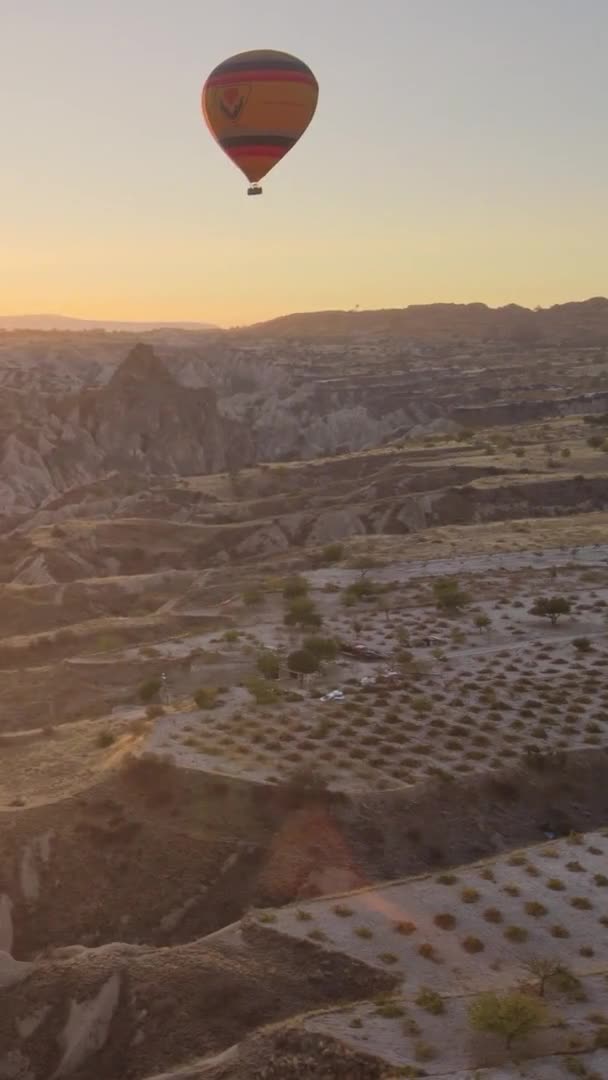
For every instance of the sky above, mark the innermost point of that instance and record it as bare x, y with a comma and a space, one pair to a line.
459, 153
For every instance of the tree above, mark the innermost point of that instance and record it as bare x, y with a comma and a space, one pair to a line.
263, 692
268, 664
543, 969
482, 622
302, 612
302, 662
449, 596
511, 1015
362, 589
551, 607
321, 647
595, 441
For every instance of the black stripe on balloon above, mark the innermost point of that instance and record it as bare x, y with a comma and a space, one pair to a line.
231, 141
264, 65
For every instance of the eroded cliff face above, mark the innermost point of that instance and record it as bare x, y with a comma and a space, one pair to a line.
142, 420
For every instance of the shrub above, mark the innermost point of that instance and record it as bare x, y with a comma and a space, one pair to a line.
149, 689
343, 911
445, 921
267, 917
473, 945
253, 597
388, 958
581, 903
294, 587
582, 644
317, 935
263, 691
511, 1015
268, 664
104, 739
492, 915
469, 896
560, 932
427, 951
430, 1001
390, 1010
555, 884
362, 589
449, 596
404, 928
424, 1052
206, 697
364, 933
516, 934
482, 622
447, 879
332, 553
535, 909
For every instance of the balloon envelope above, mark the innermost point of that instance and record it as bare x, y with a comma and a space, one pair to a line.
257, 105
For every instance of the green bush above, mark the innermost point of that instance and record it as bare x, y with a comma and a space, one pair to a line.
301, 662
511, 1015
206, 697
294, 587
551, 607
301, 611
430, 1001
268, 664
253, 596
332, 553
263, 691
449, 596
321, 647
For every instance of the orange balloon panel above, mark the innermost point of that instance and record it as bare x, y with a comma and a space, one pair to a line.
257, 105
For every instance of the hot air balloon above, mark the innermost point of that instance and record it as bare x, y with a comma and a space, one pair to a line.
257, 105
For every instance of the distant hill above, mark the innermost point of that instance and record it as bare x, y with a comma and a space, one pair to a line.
64, 322
584, 322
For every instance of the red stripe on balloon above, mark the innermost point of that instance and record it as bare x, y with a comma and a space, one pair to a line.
256, 151
271, 75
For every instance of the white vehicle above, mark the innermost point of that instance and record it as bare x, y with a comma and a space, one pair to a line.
334, 695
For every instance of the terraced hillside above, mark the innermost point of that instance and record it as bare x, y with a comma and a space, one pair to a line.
304, 704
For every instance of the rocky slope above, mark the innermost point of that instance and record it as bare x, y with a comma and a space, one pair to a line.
143, 420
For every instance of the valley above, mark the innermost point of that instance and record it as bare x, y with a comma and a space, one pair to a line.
304, 697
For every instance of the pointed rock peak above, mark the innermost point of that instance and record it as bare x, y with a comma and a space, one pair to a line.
142, 365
